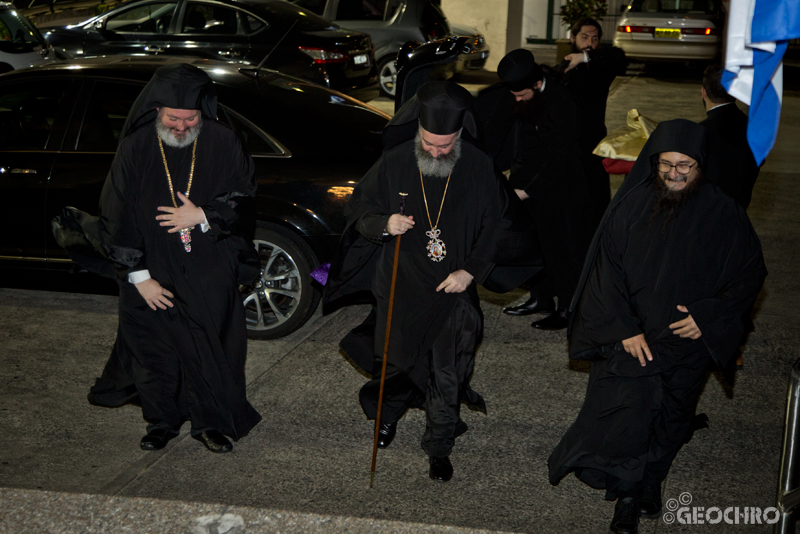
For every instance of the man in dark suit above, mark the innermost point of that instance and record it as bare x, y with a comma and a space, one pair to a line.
731, 163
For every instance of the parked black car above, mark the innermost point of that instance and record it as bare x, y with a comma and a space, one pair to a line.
59, 125
299, 43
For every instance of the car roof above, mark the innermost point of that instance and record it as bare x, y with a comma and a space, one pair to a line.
142, 67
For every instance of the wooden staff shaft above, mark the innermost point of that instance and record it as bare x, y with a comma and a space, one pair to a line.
386, 348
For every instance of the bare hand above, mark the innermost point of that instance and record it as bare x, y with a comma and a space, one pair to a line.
155, 295
187, 216
637, 347
521, 194
686, 327
574, 60
457, 282
398, 224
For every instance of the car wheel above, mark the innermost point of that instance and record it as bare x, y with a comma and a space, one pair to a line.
387, 76
282, 298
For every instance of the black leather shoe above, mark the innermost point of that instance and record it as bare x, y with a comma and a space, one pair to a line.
386, 434
626, 516
214, 441
441, 468
533, 305
650, 500
554, 321
156, 439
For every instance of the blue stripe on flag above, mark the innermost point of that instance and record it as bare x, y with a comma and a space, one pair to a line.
765, 103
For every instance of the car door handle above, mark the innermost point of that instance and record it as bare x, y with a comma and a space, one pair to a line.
153, 49
228, 53
4, 170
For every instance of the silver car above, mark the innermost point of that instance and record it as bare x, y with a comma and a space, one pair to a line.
670, 30
21, 44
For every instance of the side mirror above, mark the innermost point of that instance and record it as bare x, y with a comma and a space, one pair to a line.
98, 25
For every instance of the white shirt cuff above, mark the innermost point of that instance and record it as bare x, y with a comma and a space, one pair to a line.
204, 226
137, 277
585, 56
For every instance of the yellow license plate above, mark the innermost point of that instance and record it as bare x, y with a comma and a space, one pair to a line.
669, 33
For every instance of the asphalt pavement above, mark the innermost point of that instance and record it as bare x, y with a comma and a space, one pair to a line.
67, 466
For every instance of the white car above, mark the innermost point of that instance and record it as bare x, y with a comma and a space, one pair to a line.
21, 44
685, 30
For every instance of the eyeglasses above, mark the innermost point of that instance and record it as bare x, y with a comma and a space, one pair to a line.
682, 168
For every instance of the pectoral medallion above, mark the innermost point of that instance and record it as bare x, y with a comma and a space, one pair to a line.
436, 248
186, 238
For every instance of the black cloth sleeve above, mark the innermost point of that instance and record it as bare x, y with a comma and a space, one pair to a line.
234, 211
119, 225
721, 318
604, 315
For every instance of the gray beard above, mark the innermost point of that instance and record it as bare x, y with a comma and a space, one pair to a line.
169, 138
440, 167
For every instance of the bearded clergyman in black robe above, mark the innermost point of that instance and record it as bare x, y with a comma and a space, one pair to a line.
669, 275
454, 210
177, 216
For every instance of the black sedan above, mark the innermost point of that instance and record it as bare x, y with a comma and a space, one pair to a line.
59, 125
297, 41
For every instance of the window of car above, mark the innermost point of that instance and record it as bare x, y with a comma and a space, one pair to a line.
361, 10
17, 34
109, 105
708, 7
27, 114
257, 142
153, 17
215, 19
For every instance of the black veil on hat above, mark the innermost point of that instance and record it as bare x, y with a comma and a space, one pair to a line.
442, 108
178, 86
519, 70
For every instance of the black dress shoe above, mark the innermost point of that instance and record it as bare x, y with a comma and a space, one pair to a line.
214, 441
533, 305
650, 500
156, 439
386, 434
441, 468
554, 321
626, 516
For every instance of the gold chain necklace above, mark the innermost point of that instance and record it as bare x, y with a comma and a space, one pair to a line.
186, 236
436, 248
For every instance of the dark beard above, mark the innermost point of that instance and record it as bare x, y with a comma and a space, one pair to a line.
669, 203
440, 167
576, 50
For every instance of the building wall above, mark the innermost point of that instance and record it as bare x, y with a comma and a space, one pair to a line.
490, 17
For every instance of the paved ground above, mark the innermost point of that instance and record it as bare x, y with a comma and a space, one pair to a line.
66, 466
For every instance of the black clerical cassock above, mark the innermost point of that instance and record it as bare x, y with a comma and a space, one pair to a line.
186, 362
434, 334
640, 267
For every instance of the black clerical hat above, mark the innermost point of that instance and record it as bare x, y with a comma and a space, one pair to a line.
442, 106
679, 135
519, 70
179, 86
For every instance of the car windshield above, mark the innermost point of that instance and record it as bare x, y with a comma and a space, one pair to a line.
285, 14
706, 7
17, 34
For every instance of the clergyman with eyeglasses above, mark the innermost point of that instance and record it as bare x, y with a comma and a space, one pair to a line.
671, 270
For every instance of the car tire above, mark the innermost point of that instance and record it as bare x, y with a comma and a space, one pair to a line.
282, 298
387, 76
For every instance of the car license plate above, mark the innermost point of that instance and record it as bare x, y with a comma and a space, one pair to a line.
670, 33
361, 59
